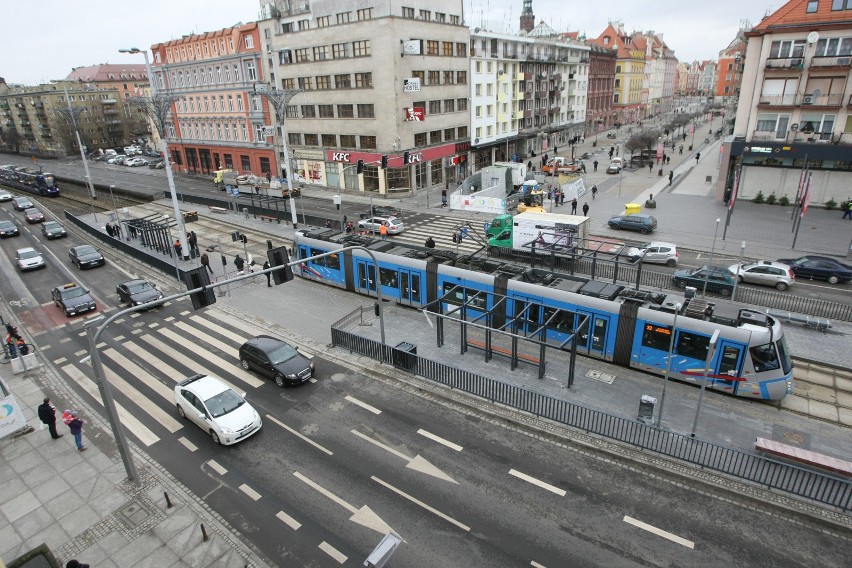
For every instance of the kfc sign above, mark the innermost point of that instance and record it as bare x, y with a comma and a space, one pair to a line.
340, 157
415, 114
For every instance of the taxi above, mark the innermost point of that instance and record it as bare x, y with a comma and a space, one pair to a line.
73, 299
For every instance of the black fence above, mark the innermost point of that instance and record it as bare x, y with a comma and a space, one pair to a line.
817, 486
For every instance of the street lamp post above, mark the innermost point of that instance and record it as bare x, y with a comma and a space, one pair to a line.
739, 269
711, 349
167, 219
72, 113
159, 108
712, 252
112, 196
668, 365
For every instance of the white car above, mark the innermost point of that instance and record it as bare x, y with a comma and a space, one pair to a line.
29, 259
765, 272
374, 224
656, 252
215, 408
5, 195
133, 162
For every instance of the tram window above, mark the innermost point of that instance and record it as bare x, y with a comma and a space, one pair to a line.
453, 294
388, 277
784, 354
730, 361
692, 345
477, 300
657, 337
599, 334
562, 322
765, 358
331, 261
415, 287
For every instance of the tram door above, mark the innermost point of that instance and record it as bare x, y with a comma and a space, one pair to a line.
527, 321
366, 280
409, 288
592, 338
729, 361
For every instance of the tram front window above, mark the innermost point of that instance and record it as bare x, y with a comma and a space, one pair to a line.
765, 358
784, 355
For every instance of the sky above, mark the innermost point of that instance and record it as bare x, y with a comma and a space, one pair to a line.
57, 35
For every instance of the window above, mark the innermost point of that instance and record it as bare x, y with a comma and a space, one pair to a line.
449, 77
345, 111
461, 104
787, 49
461, 48
434, 107
425, 15
776, 124
835, 46
302, 55
461, 132
309, 111
441, 17
321, 53
420, 140
366, 111
368, 142
407, 12
343, 17
841, 4
304, 25
449, 134
329, 140
419, 75
361, 48
447, 48
454, 20
288, 83
256, 104
363, 80
461, 77
765, 358
656, 337
244, 132
431, 47
230, 103
306, 83
449, 105
285, 57
326, 111
251, 71
323, 82
347, 141
692, 345
249, 42
323, 21
294, 138
338, 51
311, 140
365, 14
434, 77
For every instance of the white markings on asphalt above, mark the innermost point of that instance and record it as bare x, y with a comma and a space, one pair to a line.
119, 338
535, 564
300, 435
81, 352
363, 405
534, 481
189, 445
417, 463
206, 355
254, 495
363, 516
333, 552
59, 361
659, 532
288, 520
382, 446
214, 465
421, 503
440, 440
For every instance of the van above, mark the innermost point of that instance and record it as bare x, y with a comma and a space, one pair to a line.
219, 175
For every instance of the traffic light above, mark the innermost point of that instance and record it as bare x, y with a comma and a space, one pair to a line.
405, 157
244, 238
279, 257
384, 162
360, 167
198, 278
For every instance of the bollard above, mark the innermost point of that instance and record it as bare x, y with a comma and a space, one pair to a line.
168, 501
204, 533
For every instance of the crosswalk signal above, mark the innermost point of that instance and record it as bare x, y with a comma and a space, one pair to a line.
384, 162
360, 167
199, 278
279, 257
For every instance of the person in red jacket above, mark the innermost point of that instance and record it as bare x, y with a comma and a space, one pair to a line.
76, 427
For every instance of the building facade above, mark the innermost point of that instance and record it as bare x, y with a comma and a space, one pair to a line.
386, 79
729, 74
599, 111
218, 119
629, 81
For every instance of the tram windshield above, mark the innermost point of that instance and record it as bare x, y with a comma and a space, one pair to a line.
765, 358
49, 181
784, 355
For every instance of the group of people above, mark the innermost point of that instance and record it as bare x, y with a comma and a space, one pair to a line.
113, 230
14, 342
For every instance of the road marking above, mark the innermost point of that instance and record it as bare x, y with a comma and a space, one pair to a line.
659, 532
440, 440
363, 405
326, 492
540, 483
59, 361
250, 492
288, 520
363, 516
421, 503
382, 446
189, 445
214, 465
417, 463
300, 435
333, 552
535, 564
210, 357
182, 359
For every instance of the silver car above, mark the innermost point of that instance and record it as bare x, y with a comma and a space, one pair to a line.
764, 272
656, 252
373, 224
29, 259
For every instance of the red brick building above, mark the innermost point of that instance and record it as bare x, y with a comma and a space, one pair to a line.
599, 112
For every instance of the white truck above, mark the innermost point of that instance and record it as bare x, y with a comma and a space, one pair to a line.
519, 172
519, 231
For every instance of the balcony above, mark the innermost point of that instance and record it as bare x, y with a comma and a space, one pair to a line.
833, 61
785, 63
108, 101
776, 100
813, 137
821, 100
769, 136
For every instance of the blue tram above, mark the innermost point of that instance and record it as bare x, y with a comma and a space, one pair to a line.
29, 179
627, 327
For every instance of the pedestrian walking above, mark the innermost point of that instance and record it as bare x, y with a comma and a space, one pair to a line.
561, 197
574, 206
585, 209
681, 148
76, 427
47, 415
697, 157
671, 176
529, 165
594, 191
268, 177
178, 248
430, 242
268, 275
595, 164
650, 167
383, 231
205, 262
848, 213
257, 188
239, 262
444, 196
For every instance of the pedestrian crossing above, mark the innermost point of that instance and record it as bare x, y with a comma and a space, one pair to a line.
144, 365
418, 227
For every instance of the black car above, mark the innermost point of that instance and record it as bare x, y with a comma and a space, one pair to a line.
820, 268
86, 256
53, 230
719, 280
8, 229
276, 359
73, 299
634, 222
381, 211
137, 292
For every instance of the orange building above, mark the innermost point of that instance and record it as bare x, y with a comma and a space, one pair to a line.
218, 120
729, 70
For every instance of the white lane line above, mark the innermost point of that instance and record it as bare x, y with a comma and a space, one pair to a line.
179, 357
535, 564
59, 361
382, 446
300, 435
189, 445
659, 532
250, 492
421, 503
440, 440
214, 465
333, 552
206, 356
363, 405
540, 483
288, 520
326, 492
236, 338
196, 335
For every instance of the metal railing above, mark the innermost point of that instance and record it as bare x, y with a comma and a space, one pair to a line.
817, 486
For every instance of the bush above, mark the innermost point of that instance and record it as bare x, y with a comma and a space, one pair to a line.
831, 204
785, 201
759, 198
771, 199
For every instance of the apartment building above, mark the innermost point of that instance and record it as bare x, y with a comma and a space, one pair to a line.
376, 79
729, 69
629, 82
659, 72
795, 102
218, 119
599, 110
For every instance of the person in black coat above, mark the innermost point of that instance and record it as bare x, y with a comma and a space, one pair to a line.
239, 262
47, 414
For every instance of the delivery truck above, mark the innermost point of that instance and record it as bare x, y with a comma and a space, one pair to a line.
551, 230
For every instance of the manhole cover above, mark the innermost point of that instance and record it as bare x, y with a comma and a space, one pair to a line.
794, 437
133, 514
599, 376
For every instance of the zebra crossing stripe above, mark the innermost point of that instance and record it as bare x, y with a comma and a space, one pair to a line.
190, 341
240, 324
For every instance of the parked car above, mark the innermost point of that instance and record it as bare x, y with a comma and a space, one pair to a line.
134, 162
614, 166
285, 191
8, 229
373, 224
819, 268
764, 272
53, 230
718, 279
634, 222
118, 160
5, 195
138, 292
73, 299
86, 256
276, 359
33, 215
29, 258
382, 211
153, 164
655, 252
152, 154
161, 165
22, 203
217, 409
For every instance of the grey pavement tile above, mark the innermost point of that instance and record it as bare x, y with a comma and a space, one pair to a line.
101, 462
137, 549
81, 477
177, 529
9, 540
26, 460
13, 486
209, 553
79, 519
53, 536
34, 523
107, 502
180, 564
20, 506
37, 475
51, 488
61, 504
93, 555
113, 542
162, 556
